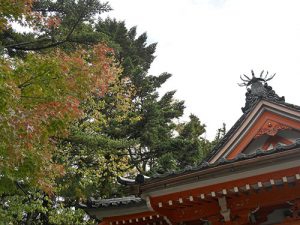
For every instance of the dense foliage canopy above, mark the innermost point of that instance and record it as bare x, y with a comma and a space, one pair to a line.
78, 108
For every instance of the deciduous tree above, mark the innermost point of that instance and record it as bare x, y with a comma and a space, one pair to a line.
40, 99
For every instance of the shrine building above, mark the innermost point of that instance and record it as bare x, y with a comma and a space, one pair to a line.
252, 176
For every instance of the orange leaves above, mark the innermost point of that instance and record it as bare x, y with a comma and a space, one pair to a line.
93, 70
53, 22
47, 92
101, 51
108, 70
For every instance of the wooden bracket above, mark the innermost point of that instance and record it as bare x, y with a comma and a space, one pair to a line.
271, 128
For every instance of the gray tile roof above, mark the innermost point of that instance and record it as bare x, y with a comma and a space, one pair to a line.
113, 202
251, 101
240, 157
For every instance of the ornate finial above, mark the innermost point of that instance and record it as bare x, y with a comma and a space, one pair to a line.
259, 89
249, 81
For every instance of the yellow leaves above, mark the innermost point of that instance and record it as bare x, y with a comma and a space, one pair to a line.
113, 165
12, 89
40, 97
48, 174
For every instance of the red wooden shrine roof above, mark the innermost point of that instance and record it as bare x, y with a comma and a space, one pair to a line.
239, 183
249, 181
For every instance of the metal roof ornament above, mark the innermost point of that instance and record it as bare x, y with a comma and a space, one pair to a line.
249, 81
259, 89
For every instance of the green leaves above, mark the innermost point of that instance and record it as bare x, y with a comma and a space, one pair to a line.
12, 10
53, 24
37, 208
93, 158
40, 97
75, 114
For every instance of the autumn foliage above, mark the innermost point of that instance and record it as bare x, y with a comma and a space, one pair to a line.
13, 9
40, 96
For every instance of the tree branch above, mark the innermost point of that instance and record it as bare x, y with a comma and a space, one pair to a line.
26, 43
18, 46
39, 47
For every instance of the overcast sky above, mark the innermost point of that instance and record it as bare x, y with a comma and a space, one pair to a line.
208, 44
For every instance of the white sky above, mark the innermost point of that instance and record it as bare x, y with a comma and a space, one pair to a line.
208, 44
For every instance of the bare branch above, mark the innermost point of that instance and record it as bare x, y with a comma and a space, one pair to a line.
51, 45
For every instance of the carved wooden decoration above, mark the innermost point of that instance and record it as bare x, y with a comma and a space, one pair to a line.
271, 128
274, 140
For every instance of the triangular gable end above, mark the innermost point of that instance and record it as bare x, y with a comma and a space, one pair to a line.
267, 125
246, 169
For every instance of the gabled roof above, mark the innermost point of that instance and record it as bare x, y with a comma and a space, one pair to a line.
259, 97
251, 124
227, 170
102, 208
253, 102
214, 170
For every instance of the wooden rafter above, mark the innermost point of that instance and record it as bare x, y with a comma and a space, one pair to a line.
242, 197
